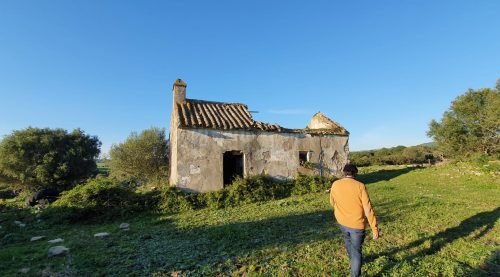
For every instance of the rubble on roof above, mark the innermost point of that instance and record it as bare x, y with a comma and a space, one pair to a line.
194, 113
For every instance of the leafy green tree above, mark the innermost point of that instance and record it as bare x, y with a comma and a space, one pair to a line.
471, 125
36, 158
142, 157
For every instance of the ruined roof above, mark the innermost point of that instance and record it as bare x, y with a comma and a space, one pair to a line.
194, 113
321, 124
216, 115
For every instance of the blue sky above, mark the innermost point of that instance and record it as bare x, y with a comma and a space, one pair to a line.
382, 69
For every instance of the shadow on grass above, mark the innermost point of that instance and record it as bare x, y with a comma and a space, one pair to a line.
491, 266
482, 222
383, 175
200, 249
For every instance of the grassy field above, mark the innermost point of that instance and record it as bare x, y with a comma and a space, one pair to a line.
103, 167
439, 221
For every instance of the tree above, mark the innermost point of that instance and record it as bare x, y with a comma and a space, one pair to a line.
415, 155
141, 157
471, 125
40, 158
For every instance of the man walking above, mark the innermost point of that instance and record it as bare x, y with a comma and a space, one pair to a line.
351, 204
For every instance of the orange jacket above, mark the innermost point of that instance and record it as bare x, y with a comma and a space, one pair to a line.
351, 204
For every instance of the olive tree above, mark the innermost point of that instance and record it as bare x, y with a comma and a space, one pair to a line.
471, 125
35, 158
142, 157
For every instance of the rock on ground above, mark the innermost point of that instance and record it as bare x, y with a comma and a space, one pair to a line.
56, 240
19, 223
37, 238
101, 235
124, 226
58, 250
24, 270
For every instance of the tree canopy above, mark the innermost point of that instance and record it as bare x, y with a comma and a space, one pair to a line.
471, 125
141, 157
39, 158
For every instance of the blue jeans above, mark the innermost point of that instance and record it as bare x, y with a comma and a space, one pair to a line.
353, 239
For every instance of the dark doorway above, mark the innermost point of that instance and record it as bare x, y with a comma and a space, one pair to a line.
233, 166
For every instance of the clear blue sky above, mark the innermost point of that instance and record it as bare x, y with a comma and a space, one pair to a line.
383, 69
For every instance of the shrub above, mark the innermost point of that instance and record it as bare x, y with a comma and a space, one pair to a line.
174, 200
304, 184
398, 155
255, 189
213, 200
101, 197
141, 158
241, 191
36, 158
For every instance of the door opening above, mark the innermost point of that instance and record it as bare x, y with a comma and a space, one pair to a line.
232, 166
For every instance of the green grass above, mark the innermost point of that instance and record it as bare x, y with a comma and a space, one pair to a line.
103, 168
439, 221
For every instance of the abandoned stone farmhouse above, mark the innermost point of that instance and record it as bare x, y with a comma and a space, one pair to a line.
211, 143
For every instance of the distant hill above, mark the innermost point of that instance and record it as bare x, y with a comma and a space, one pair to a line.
428, 144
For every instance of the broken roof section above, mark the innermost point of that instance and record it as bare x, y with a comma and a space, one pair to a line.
202, 114
320, 123
194, 113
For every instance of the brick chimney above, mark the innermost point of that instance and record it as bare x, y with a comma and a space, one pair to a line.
179, 91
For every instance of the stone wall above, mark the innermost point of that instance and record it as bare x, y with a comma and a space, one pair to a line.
197, 155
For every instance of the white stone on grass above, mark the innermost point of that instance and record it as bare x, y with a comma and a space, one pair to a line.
19, 223
24, 270
56, 240
101, 235
37, 238
58, 250
124, 226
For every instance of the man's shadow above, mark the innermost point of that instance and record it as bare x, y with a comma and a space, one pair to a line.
383, 175
482, 222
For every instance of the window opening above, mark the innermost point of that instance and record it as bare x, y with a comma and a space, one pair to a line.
303, 157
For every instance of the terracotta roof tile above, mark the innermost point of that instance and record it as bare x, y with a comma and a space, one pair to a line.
216, 115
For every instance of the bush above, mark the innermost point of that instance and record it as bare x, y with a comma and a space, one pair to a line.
249, 190
141, 158
398, 155
304, 184
108, 197
101, 197
255, 189
213, 200
36, 158
241, 191
174, 200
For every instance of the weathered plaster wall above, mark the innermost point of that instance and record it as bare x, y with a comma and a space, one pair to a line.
197, 155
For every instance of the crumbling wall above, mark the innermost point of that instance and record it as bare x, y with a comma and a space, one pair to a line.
199, 155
